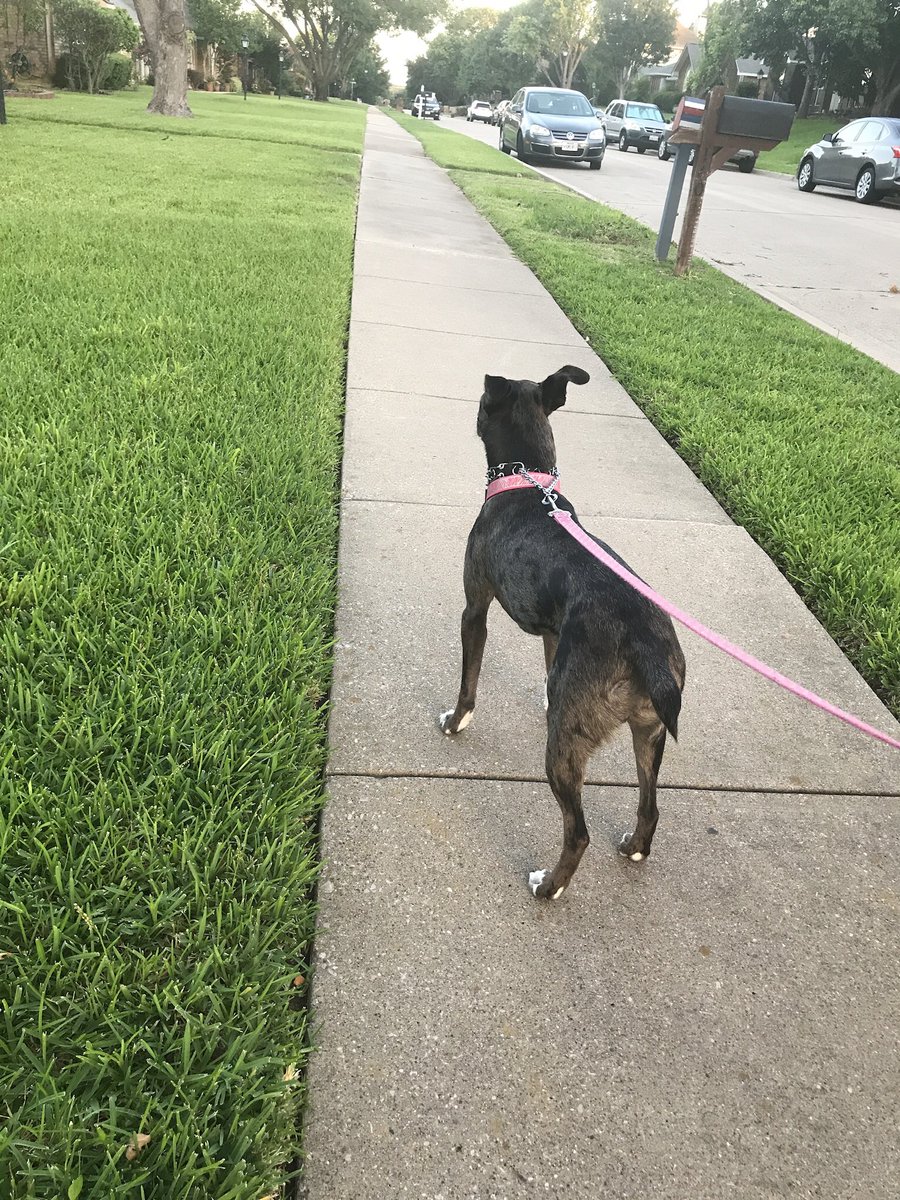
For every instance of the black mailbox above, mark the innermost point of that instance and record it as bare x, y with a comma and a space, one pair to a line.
740, 117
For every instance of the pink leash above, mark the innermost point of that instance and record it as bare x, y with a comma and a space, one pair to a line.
566, 521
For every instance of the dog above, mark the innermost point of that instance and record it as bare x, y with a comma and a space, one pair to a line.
611, 655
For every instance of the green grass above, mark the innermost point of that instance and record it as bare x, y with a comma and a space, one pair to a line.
174, 311
786, 156
459, 153
216, 114
797, 434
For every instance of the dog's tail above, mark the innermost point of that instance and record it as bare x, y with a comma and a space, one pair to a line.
663, 690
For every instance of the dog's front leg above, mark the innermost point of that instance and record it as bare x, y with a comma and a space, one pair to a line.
474, 635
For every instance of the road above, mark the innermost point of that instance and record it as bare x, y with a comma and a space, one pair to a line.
822, 256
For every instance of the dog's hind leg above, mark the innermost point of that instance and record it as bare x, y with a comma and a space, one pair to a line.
567, 758
649, 743
551, 642
474, 635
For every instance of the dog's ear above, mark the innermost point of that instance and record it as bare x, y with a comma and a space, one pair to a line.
497, 391
553, 389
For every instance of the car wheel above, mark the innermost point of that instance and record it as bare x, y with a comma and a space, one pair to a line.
623, 142
520, 149
746, 165
642, 149
805, 181
503, 145
865, 186
663, 153
596, 164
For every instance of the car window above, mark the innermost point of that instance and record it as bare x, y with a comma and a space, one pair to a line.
516, 100
872, 131
559, 104
850, 132
613, 110
644, 112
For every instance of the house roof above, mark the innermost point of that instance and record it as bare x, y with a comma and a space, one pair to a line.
751, 66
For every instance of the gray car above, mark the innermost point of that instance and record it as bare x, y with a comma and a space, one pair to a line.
631, 123
863, 157
545, 124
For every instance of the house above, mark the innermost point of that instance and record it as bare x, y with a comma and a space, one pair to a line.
39, 45
673, 74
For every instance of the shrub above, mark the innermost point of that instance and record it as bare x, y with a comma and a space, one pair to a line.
118, 72
667, 99
114, 75
90, 37
196, 79
639, 88
748, 88
235, 85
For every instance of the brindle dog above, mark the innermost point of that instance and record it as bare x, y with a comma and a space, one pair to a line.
611, 655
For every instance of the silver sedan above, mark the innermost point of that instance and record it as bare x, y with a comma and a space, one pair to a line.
863, 157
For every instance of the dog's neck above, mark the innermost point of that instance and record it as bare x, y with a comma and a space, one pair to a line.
534, 453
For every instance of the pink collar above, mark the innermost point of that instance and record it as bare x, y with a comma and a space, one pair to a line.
508, 483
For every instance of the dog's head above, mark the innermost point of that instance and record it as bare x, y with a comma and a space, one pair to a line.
512, 417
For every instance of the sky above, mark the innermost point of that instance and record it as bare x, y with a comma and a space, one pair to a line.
401, 47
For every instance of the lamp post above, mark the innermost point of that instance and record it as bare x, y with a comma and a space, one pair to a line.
245, 46
760, 77
565, 63
280, 69
352, 89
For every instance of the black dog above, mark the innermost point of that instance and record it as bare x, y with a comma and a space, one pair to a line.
611, 655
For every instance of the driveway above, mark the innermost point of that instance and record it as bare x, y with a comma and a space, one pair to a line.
823, 256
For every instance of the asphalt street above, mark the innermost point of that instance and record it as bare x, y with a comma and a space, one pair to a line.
822, 255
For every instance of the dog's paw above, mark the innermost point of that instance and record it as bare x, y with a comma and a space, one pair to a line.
445, 721
535, 881
626, 851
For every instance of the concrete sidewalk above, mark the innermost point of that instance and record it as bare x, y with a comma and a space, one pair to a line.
720, 1021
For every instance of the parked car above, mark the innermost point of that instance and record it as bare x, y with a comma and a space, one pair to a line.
480, 110
548, 124
426, 104
499, 110
744, 160
863, 157
632, 124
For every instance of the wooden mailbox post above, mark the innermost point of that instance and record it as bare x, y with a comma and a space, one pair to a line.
715, 128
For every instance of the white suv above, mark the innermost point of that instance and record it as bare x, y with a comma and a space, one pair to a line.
480, 110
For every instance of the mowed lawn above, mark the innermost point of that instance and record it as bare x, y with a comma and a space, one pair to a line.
797, 434
174, 306
786, 156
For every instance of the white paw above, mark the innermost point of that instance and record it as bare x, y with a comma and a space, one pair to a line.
636, 857
444, 721
536, 878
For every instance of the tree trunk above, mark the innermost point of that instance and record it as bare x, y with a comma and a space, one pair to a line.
808, 91
165, 31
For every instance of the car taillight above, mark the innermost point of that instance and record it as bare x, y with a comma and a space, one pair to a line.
895, 150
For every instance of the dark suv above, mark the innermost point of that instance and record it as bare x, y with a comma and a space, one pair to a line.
426, 104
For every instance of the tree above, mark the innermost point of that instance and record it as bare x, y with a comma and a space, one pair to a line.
816, 32
554, 35
723, 42
490, 69
325, 36
370, 72
219, 25
885, 69
164, 25
634, 34
90, 35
